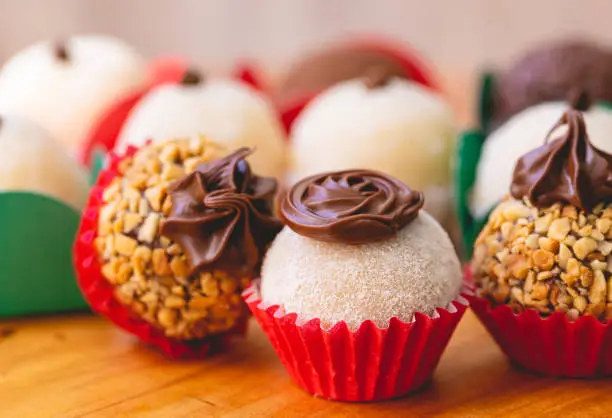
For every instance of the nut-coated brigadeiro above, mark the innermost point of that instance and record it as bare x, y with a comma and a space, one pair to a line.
548, 246
182, 232
357, 247
379, 122
549, 73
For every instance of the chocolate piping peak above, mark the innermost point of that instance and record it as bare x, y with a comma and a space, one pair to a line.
579, 99
192, 78
60, 51
222, 215
568, 169
350, 207
377, 77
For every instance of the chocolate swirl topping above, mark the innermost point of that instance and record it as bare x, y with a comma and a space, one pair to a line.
568, 169
222, 215
351, 207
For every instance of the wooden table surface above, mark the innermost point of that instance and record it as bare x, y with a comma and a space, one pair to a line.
81, 366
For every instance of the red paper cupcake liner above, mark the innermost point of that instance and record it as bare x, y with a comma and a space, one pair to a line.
420, 72
551, 345
369, 364
98, 292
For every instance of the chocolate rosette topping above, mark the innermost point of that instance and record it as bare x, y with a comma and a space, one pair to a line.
568, 169
351, 207
222, 215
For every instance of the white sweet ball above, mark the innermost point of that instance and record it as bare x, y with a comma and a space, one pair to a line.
67, 96
401, 128
228, 112
415, 271
519, 135
31, 160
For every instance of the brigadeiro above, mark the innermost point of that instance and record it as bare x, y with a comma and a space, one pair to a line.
379, 122
549, 73
66, 85
356, 278
172, 235
230, 111
542, 264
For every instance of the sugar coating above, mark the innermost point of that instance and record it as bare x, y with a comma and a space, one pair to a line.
416, 271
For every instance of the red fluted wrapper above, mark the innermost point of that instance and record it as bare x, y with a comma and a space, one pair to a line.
551, 345
369, 364
98, 292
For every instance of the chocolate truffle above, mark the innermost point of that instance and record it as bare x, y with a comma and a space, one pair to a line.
31, 160
519, 135
319, 71
181, 233
227, 111
547, 247
549, 73
66, 85
381, 123
357, 247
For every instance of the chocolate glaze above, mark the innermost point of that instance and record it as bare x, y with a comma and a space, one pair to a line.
222, 215
568, 169
550, 73
191, 78
351, 207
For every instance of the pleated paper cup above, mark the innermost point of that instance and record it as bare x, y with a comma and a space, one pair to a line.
369, 364
551, 345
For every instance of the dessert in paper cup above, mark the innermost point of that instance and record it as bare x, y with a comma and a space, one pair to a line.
361, 291
542, 263
172, 235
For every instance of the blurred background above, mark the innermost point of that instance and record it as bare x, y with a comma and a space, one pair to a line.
459, 37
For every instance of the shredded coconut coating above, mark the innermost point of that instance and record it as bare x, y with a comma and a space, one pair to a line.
416, 271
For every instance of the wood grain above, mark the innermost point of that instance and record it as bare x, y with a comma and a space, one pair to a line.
81, 366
